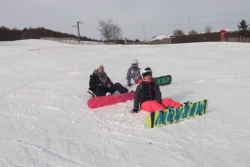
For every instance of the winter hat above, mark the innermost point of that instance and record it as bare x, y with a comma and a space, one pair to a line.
145, 71
100, 65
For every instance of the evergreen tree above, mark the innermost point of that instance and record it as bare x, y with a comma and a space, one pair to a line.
243, 28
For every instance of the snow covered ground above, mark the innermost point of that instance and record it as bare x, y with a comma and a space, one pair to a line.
44, 119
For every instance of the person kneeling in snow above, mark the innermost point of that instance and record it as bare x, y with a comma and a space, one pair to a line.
101, 85
148, 95
133, 72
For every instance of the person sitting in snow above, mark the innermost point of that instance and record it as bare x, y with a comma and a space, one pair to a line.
148, 95
133, 72
101, 85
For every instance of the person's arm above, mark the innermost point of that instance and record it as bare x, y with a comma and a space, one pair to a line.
128, 78
94, 82
158, 94
109, 81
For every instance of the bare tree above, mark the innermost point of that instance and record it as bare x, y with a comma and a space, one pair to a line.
104, 28
109, 31
208, 29
116, 32
178, 33
192, 32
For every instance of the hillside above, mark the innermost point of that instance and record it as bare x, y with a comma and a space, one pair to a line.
45, 120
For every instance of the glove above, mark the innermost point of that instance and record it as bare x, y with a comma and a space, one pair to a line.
135, 110
187, 103
129, 85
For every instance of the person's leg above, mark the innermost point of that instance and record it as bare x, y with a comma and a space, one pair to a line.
117, 86
100, 92
152, 106
169, 102
112, 89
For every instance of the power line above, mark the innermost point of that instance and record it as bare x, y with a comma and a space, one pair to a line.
170, 24
222, 15
177, 18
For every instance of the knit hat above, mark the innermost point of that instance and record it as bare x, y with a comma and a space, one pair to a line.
100, 65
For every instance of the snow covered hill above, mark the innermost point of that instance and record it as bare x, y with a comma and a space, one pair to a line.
159, 37
45, 120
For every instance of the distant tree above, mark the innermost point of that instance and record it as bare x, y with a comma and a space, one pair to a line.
7, 34
192, 32
208, 29
243, 28
110, 31
178, 33
3, 27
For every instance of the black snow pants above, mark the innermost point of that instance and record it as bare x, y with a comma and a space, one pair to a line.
101, 91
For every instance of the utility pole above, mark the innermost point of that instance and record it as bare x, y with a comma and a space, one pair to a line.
144, 32
78, 29
189, 24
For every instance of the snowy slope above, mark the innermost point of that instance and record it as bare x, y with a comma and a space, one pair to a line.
45, 120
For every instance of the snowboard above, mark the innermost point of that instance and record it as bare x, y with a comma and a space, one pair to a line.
163, 80
167, 116
101, 101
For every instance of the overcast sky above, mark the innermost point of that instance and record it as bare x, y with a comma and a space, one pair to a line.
156, 16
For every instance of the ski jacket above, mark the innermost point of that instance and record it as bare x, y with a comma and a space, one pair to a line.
133, 73
95, 81
147, 91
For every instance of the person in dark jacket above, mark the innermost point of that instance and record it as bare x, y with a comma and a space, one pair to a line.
101, 85
148, 95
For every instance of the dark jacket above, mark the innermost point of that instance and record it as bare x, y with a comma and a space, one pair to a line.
147, 91
95, 81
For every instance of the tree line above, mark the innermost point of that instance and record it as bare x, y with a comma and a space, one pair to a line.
7, 34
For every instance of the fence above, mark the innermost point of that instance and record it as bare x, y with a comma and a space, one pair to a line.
154, 42
238, 39
76, 42
72, 41
163, 41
